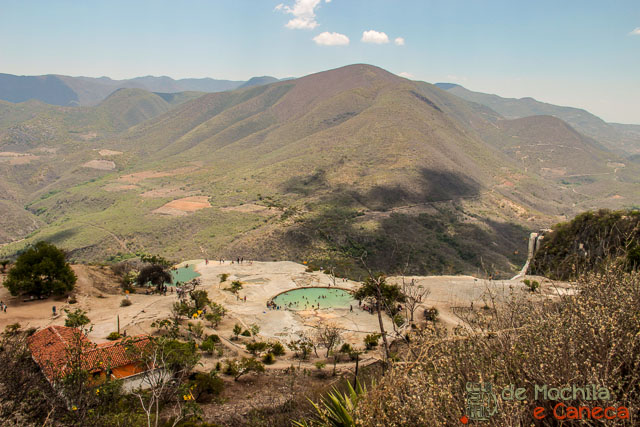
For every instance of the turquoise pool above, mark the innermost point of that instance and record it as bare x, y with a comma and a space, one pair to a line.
307, 298
183, 274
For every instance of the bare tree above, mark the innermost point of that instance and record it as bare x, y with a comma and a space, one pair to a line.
329, 336
166, 364
414, 294
332, 275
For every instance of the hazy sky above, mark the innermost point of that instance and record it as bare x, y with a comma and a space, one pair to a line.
582, 53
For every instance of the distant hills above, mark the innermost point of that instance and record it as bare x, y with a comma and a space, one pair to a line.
623, 139
87, 91
337, 164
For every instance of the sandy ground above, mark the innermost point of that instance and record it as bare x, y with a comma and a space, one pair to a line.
107, 153
98, 293
183, 206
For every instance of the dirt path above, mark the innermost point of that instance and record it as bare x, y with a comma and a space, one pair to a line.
122, 243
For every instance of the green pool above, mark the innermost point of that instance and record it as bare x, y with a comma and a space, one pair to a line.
183, 274
307, 298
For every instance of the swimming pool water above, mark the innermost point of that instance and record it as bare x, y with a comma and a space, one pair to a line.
183, 274
307, 298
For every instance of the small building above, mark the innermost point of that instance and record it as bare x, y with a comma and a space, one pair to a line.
57, 349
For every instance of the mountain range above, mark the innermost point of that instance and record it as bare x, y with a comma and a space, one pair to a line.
622, 138
88, 91
350, 163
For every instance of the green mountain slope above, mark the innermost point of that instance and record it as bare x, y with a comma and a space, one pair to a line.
349, 161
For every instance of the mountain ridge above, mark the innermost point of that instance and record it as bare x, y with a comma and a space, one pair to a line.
610, 134
64, 90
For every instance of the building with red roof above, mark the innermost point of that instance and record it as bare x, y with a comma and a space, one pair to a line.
58, 349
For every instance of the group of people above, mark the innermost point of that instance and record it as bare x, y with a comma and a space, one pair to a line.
239, 260
272, 305
365, 307
3, 307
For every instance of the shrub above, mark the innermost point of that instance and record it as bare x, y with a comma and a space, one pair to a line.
237, 329
223, 277
113, 336
209, 343
534, 286
126, 302
431, 314
255, 329
76, 318
204, 386
371, 341
237, 368
268, 359
277, 348
213, 338
256, 347
398, 319
346, 348
246, 333
236, 286
196, 328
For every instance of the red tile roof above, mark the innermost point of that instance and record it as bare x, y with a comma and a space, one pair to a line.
50, 348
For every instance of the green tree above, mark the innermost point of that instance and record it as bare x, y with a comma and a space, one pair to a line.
216, 314
236, 286
155, 260
200, 299
41, 270
383, 296
155, 274
76, 318
236, 330
244, 366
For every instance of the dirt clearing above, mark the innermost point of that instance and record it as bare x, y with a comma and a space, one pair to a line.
107, 153
183, 206
137, 177
104, 165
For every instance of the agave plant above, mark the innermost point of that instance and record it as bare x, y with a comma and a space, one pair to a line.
336, 409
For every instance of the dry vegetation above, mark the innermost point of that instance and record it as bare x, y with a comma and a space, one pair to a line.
589, 338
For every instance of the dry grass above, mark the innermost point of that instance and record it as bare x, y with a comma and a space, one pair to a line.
589, 338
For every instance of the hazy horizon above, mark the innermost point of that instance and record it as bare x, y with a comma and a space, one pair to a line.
579, 55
